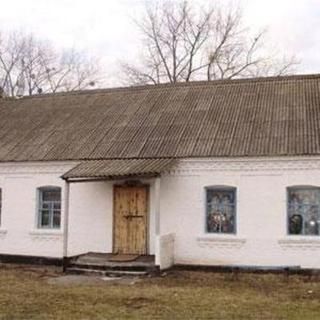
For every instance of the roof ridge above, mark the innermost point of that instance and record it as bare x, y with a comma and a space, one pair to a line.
179, 85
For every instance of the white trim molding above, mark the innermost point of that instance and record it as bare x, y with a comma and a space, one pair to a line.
220, 242
43, 167
299, 244
46, 235
194, 166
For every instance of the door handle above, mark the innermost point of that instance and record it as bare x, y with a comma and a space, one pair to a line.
133, 216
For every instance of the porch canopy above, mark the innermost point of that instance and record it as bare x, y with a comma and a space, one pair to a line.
117, 169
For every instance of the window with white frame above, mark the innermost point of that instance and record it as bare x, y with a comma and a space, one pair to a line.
49, 207
221, 210
304, 211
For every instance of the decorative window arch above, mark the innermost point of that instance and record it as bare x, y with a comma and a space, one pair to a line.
49, 207
221, 209
303, 210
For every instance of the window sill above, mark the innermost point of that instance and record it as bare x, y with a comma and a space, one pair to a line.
220, 241
46, 232
300, 242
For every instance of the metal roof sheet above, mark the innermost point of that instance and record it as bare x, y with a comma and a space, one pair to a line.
115, 169
234, 118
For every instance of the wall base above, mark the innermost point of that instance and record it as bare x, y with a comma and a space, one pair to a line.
248, 269
23, 259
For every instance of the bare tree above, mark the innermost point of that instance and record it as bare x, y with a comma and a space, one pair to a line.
29, 66
182, 43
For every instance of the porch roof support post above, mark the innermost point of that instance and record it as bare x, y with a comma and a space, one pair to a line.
157, 221
157, 205
66, 225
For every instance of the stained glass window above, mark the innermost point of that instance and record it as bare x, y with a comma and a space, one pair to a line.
49, 207
221, 210
304, 211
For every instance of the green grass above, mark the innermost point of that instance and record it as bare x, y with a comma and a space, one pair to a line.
26, 294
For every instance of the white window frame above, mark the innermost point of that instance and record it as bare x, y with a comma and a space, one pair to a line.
299, 187
51, 208
221, 188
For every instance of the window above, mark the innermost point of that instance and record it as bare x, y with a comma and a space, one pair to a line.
304, 210
49, 207
221, 210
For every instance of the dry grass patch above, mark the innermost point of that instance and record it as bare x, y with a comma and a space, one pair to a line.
26, 294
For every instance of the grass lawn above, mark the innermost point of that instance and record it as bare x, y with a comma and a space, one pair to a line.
36, 293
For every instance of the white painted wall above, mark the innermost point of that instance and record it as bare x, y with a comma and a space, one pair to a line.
18, 232
165, 251
91, 217
261, 238
90, 212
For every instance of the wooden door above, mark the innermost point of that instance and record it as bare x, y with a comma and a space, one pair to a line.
130, 219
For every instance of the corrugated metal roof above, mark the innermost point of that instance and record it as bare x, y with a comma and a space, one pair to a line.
114, 169
252, 117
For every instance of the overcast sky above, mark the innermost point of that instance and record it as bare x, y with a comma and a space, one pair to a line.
105, 27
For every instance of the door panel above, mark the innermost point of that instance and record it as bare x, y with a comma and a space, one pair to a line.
130, 219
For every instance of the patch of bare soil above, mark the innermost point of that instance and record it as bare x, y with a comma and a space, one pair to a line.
138, 302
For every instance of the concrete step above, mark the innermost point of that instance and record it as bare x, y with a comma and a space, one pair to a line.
127, 273
108, 267
87, 272
100, 264
102, 273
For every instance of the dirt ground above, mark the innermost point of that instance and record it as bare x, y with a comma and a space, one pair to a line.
45, 293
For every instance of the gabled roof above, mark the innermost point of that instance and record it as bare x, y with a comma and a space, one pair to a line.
252, 117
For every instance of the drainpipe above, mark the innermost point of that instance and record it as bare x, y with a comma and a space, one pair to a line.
66, 225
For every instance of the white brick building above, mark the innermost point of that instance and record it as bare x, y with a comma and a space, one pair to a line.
217, 174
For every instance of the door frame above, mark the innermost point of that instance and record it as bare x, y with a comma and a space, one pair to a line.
133, 184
